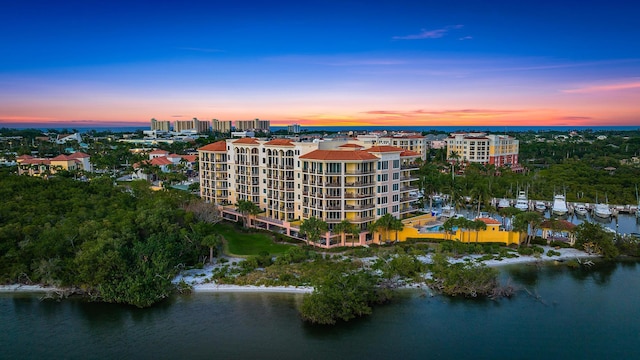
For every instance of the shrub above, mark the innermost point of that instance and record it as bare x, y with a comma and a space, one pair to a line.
525, 250
538, 241
551, 253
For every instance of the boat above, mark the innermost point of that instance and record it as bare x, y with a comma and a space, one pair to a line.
448, 211
437, 199
503, 203
581, 210
522, 203
540, 206
559, 205
602, 211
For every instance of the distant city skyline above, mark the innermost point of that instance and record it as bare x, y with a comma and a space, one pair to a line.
320, 63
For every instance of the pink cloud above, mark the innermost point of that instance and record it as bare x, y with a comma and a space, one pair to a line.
601, 88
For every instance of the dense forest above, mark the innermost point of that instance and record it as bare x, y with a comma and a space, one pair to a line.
114, 244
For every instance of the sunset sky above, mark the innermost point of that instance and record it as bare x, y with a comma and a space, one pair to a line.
88, 63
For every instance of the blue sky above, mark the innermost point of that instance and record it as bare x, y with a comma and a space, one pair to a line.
321, 62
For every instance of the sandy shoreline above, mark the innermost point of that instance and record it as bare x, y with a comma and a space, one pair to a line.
198, 278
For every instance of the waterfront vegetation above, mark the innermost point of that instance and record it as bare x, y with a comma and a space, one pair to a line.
113, 244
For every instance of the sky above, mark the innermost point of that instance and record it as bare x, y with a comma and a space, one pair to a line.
320, 63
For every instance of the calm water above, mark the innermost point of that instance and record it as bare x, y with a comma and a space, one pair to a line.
574, 314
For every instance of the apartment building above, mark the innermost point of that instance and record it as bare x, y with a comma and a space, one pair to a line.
412, 142
221, 126
499, 150
254, 125
78, 161
191, 125
160, 125
293, 181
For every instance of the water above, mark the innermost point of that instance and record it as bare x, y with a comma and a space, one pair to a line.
573, 314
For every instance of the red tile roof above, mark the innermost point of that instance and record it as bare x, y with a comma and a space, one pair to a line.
190, 158
162, 160
247, 141
158, 151
384, 148
279, 142
36, 161
559, 224
215, 147
24, 157
409, 153
356, 146
489, 221
78, 155
357, 155
61, 157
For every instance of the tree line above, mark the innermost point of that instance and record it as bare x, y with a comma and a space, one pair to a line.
113, 244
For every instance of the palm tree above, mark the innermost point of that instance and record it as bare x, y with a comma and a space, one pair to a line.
528, 221
345, 227
481, 194
479, 225
313, 228
507, 213
212, 241
448, 226
246, 208
396, 225
386, 223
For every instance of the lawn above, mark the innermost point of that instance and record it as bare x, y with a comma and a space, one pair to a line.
238, 242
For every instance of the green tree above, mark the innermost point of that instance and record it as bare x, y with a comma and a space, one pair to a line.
528, 223
213, 241
478, 225
592, 237
313, 228
345, 227
246, 208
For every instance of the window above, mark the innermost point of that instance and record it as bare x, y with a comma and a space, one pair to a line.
396, 187
396, 164
396, 176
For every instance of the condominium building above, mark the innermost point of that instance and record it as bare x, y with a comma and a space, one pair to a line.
191, 125
293, 128
293, 181
221, 126
499, 150
255, 125
160, 125
411, 142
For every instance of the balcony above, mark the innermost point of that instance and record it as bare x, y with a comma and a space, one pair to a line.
357, 195
357, 184
408, 209
359, 207
408, 178
409, 166
361, 219
408, 188
332, 184
359, 172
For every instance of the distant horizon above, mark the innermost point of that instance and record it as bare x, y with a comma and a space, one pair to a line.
321, 63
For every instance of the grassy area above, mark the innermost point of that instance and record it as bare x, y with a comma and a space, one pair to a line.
238, 242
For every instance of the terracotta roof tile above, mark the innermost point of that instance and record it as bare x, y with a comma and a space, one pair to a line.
162, 160
357, 155
158, 151
279, 142
409, 153
489, 221
355, 146
61, 157
78, 155
190, 158
215, 147
247, 141
384, 148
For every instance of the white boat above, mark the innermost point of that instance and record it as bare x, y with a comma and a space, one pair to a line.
448, 211
581, 210
540, 206
559, 205
522, 203
602, 211
503, 203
